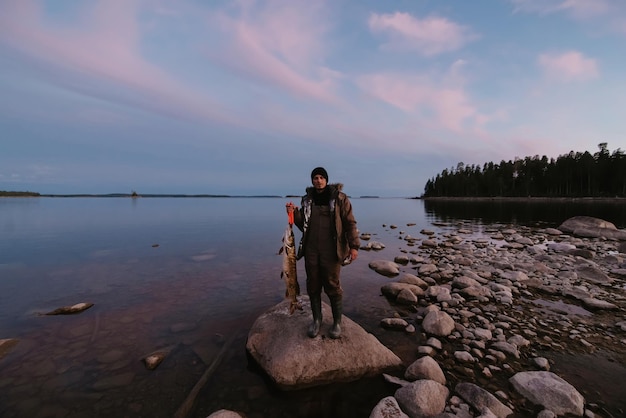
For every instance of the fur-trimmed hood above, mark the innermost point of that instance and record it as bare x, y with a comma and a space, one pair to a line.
334, 187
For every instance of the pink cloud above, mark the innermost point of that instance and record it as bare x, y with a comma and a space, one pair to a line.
568, 66
576, 8
100, 55
584, 8
603, 14
281, 43
430, 36
435, 103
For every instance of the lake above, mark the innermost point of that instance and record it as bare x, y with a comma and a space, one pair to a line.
189, 275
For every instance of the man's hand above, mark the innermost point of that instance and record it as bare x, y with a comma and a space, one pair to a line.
354, 254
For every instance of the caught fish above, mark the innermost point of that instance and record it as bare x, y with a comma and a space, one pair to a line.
289, 273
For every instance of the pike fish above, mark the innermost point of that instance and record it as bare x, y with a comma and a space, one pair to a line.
289, 272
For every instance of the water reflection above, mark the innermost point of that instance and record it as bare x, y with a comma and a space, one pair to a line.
528, 211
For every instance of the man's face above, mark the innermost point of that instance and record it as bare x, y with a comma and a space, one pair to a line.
319, 182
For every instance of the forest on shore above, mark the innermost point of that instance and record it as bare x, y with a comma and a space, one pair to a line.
6, 193
576, 174
573, 175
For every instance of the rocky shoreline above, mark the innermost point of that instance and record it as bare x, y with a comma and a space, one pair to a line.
488, 307
493, 310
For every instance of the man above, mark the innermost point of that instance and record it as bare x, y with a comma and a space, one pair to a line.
330, 239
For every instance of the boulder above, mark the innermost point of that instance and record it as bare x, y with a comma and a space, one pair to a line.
387, 408
422, 398
438, 323
406, 297
589, 227
550, 391
412, 279
393, 289
278, 342
394, 323
384, 267
425, 368
480, 399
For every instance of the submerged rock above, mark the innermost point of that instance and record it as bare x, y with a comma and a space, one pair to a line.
384, 267
68, 310
6, 345
152, 360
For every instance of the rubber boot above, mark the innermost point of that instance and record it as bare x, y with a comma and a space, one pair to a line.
336, 304
316, 310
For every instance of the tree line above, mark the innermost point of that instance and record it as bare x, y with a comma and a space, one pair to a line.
576, 174
7, 193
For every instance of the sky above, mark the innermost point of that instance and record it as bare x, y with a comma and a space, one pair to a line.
246, 97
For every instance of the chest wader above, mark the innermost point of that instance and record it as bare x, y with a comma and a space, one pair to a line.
322, 269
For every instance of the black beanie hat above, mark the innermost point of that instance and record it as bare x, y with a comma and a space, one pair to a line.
321, 171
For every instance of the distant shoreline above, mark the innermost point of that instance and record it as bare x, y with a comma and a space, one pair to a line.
9, 194
125, 195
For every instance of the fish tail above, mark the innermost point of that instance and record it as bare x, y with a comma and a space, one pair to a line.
294, 305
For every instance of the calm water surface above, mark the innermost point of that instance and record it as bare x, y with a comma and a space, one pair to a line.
190, 275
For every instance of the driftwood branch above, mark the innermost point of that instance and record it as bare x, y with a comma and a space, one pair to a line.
187, 406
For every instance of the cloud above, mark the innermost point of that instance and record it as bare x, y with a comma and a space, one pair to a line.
99, 54
604, 15
282, 43
568, 66
582, 9
430, 36
439, 102
445, 106
576, 8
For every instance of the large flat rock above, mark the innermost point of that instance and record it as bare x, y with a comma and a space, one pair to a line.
590, 227
279, 344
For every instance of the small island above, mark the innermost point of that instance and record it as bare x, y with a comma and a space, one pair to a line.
5, 193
